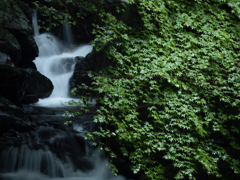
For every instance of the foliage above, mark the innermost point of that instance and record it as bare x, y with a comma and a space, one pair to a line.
173, 86
171, 92
59, 12
57, 16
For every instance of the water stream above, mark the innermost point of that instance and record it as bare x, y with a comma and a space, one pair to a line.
54, 150
55, 63
67, 34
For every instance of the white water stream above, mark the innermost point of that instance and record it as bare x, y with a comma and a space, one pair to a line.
67, 34
56, 64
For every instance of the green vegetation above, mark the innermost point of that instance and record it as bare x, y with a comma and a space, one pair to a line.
171, 94
58, 11
173, 85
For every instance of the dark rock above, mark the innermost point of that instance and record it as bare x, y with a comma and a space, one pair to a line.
12, 117
29, 99
29, 49
29, 110
38, 84
26, 7
13, 19
80, 74
9, 45
13, 84
16, 84
5, 59
94, 61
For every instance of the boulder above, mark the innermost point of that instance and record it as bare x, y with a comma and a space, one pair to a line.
14, 16
13, 84
38, 84
94, 61
28, 84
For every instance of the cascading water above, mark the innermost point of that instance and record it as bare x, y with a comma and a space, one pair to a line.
55, 151
55, 64
67, 34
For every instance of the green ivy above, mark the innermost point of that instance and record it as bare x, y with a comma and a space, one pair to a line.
173, 86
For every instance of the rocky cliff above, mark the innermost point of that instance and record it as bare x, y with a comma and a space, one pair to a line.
18, 83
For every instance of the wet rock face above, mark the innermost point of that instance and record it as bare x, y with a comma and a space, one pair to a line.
29, 49
13, 85
5, 59
94, 61
38, 84
12, 117
16, 38
80, 74
9, 46
18, 84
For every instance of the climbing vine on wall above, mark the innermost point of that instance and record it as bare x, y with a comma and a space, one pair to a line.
172, 90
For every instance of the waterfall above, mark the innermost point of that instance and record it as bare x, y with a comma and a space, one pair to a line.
53, 150
35, 23
56, 64
67, 34
53, 154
